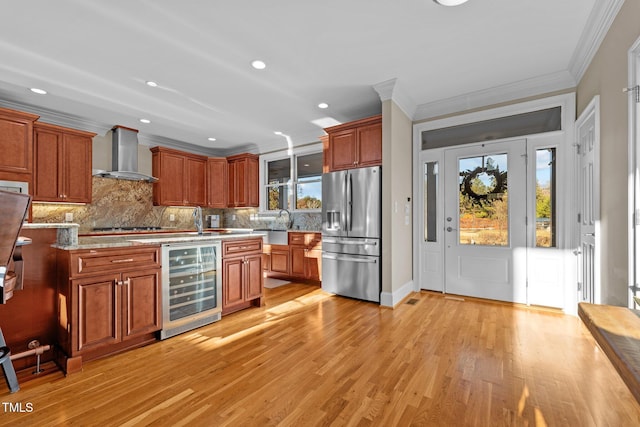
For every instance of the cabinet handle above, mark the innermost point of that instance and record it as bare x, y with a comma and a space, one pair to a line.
127, 281
115, 261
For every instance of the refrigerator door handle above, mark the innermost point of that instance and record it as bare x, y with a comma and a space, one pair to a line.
349, 242
343, 220
349, 201
368, 260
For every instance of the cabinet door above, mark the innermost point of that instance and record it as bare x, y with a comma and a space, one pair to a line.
232, 282
217, 177
16, 140
141, 293
313, 264
370, 145
298, 254
195, 182
98, 310
253, 276
252, 183
342, 149
170, 185
279, 261
47, 166
76, 169
238, 187
232, 197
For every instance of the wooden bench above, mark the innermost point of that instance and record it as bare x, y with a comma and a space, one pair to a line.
617, 331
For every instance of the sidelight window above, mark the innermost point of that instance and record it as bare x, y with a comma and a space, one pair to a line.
430, 186
546, 198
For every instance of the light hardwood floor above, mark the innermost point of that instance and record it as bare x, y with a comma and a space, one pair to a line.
307, 358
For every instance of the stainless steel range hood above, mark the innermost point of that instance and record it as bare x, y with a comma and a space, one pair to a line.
124, 155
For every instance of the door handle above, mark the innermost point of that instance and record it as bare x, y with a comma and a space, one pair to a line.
590, 234
450, 229
577, 252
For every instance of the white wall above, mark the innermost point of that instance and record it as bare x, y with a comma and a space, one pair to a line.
397, 176
606, 76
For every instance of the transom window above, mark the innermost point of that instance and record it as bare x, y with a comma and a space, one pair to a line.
292, 182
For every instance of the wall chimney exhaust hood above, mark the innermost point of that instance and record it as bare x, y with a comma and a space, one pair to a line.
124, 155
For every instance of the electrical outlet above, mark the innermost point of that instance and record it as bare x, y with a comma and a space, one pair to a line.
68, 217
172, 217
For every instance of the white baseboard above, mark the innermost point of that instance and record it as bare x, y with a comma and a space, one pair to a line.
391, 299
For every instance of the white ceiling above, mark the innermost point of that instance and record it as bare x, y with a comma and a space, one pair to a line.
93, 57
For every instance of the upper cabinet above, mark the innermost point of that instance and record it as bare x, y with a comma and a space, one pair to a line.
243, 181
181, 178
186, 179
217, 178
62, 164
16, 140
355, 144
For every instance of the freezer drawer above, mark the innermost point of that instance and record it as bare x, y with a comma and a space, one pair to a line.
351, 245
352, 276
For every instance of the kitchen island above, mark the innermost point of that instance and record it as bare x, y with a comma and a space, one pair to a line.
120, 291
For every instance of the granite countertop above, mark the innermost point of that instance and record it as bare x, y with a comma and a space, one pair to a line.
124, 240
37, 225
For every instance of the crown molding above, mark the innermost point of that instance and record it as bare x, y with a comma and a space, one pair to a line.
60, 119
600, 20
390, 90
496, 95
153, 140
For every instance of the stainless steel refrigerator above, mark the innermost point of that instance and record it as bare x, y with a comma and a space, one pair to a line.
351, 233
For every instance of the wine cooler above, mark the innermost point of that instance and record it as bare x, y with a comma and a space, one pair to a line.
191, 286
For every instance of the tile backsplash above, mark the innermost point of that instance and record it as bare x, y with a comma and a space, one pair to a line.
120, 203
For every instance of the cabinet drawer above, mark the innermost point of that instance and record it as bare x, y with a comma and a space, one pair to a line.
241, 247
94, 261
305, 239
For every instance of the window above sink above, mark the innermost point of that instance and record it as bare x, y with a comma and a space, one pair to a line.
292, 181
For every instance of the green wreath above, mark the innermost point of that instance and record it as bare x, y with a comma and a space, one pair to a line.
500, 178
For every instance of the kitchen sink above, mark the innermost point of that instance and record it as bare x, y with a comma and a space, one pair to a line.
275, 237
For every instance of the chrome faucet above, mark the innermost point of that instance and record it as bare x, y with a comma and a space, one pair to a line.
289, 217
197, 218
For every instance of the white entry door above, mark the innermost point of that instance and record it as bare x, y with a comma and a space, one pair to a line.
485, 221
588, 135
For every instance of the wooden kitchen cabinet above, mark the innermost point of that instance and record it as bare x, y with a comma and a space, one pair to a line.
181, 178
300, 259
279, 260
243, 184
306, 255
62, 164
354, 145
217, 179
16, 140
109, 300
242, 281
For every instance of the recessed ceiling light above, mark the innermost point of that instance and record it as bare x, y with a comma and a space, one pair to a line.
152, 84
323, 105
145, 121
258, 65
38, 91
211, 139
450, 2
278, 132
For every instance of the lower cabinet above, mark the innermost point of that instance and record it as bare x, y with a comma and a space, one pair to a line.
280, 259
242, 281
108, 301
301, 259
